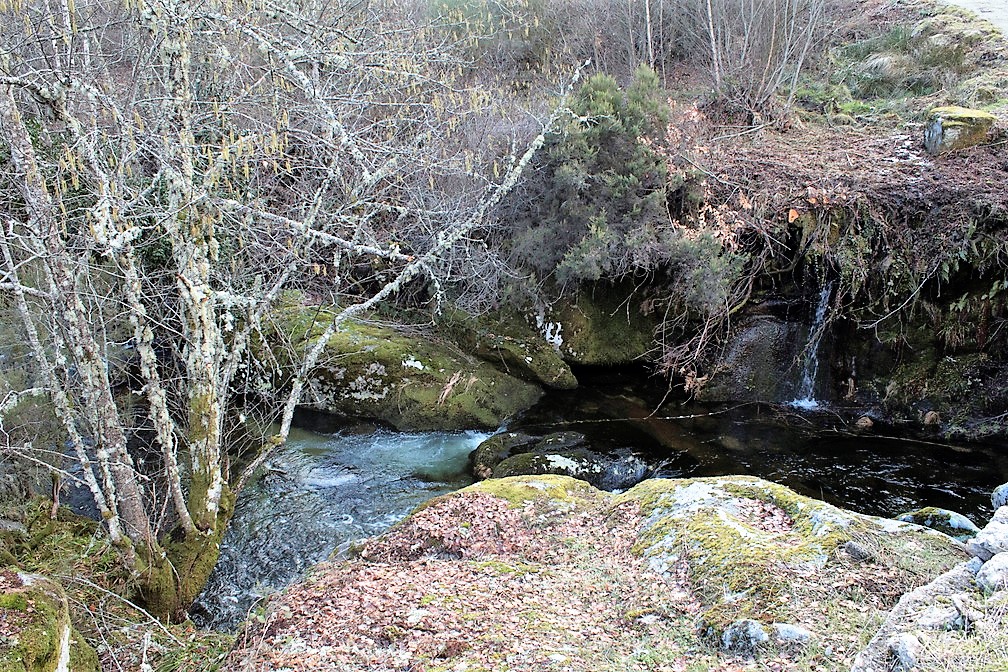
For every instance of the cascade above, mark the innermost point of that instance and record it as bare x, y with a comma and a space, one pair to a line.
805, 398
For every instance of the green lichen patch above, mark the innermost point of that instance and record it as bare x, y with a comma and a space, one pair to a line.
519, 490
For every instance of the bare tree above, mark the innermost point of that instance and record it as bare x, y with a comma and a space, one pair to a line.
172, 168
754, 49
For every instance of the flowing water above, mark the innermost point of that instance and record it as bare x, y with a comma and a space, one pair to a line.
805, 399
323, 492
315, 497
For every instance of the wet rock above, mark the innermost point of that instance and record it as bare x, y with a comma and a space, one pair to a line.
993, 538
606, 472
560, 441
993, 576
953, 524
999, 497
496, 449
753, 363
905, 649
864, 423
744, 637
950, 128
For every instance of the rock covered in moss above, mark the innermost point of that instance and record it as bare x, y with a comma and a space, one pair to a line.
509, 343
950, 128
612, 471
560, 453
410, 382
953, 524
35, 630
747, 541
604, 325
519, 569
485, 458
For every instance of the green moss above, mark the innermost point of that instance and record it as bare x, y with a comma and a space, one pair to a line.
744, 567
412, 382
169, 584
518, 490
604, 326
13, 601
505, 340
41, 618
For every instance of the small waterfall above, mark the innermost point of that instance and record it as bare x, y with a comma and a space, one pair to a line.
805, 399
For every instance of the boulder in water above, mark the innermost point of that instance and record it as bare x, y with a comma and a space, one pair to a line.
953, 524
607, 472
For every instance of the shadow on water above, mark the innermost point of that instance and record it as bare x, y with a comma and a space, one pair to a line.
815, 454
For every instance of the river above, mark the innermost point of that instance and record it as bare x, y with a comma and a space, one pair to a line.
323, 492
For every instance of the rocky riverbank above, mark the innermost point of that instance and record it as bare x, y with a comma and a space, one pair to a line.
546, 572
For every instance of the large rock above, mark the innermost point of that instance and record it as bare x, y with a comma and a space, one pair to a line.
755, 363
411, 382
993, 538
35, 630
611, 471
999, 497
560, 454
953, 524
950, 128
509, 343
604, 325
993, 576
548, 573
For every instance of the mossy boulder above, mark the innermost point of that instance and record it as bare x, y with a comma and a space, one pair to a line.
36, 633
525, 566
604, 325
408, 381
615, 471
508, 342
953, 524
951, 128
496, 449
560, 453
748, 544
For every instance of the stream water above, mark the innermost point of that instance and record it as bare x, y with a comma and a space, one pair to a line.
324, 491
